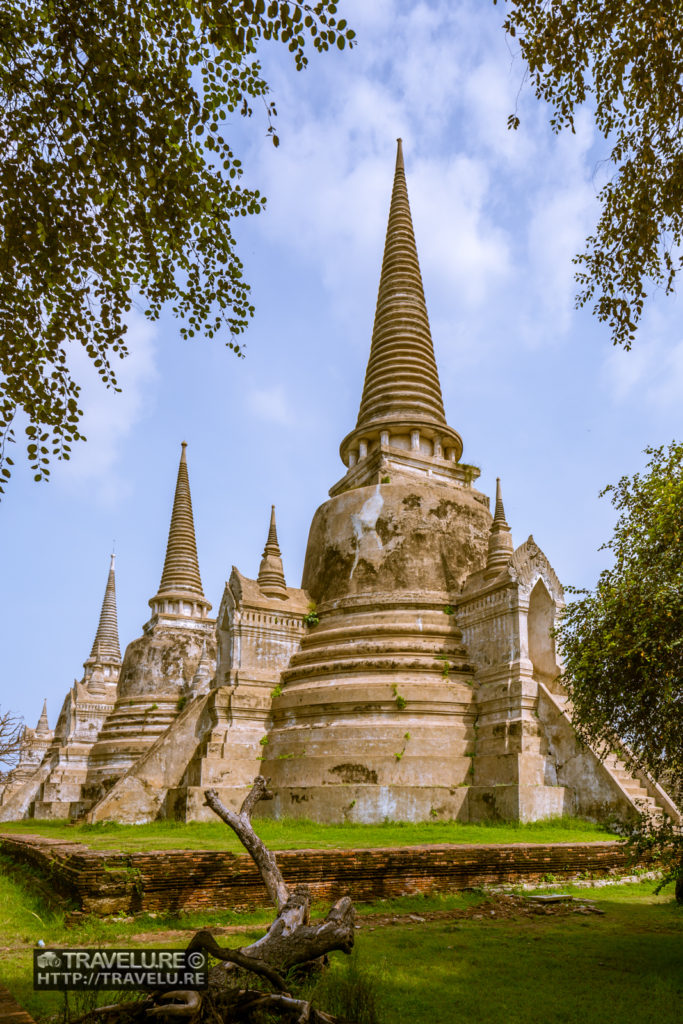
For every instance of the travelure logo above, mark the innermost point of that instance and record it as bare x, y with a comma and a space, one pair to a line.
119, 969
48, 960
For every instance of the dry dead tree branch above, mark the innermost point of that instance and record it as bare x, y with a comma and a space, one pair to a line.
290, 940
204, 940
285, 1004
241, 825
185, 1004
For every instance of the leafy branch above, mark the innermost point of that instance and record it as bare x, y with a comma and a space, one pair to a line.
118, 184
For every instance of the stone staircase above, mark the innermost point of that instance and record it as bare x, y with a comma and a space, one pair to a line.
641, 792
632, 786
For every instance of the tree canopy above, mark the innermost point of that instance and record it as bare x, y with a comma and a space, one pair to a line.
624, 58
622, 644
118, 183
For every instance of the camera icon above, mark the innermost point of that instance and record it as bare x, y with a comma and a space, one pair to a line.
49, 959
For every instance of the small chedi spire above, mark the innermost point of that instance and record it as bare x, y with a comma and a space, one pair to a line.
43, 726
106, 642
501, 547
401, 394
180, 590
271, 576
104, 662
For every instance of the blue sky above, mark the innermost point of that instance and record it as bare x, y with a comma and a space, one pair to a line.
534, 387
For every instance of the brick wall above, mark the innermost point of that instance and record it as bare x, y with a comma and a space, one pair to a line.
106, 882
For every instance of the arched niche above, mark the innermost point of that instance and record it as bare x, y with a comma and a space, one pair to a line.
225, 643
541, 619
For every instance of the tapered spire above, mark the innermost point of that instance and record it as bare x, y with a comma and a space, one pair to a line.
499, 515
106, 642
401, 393
43, 726
181, 567
180, 590
401, 377
271, 576
501, 547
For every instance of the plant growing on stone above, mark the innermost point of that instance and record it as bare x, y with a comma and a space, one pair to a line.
401, 702
311, 618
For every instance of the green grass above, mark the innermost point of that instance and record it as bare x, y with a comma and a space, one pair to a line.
26, 917
621, 968
302, 834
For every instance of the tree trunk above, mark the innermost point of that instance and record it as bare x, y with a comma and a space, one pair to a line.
678, 891
290, 941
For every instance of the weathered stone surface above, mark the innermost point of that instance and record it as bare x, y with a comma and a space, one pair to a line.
31, 770
257, 632
139, 795
383, 682
413, 537
156, 676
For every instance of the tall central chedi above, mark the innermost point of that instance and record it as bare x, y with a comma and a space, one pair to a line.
377, 708
412, 676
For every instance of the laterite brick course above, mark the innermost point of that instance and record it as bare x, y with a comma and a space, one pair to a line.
105, 882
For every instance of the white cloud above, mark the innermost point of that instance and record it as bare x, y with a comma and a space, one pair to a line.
270, 404
652, 372
463, 249
556, 232
477, 223
109, 416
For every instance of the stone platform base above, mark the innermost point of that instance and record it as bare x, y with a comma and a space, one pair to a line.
70, 810
187, 803
519, 803
372, 804
181, 880
368, 804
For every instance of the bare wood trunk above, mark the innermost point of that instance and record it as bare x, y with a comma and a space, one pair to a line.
291, 940
241, 825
